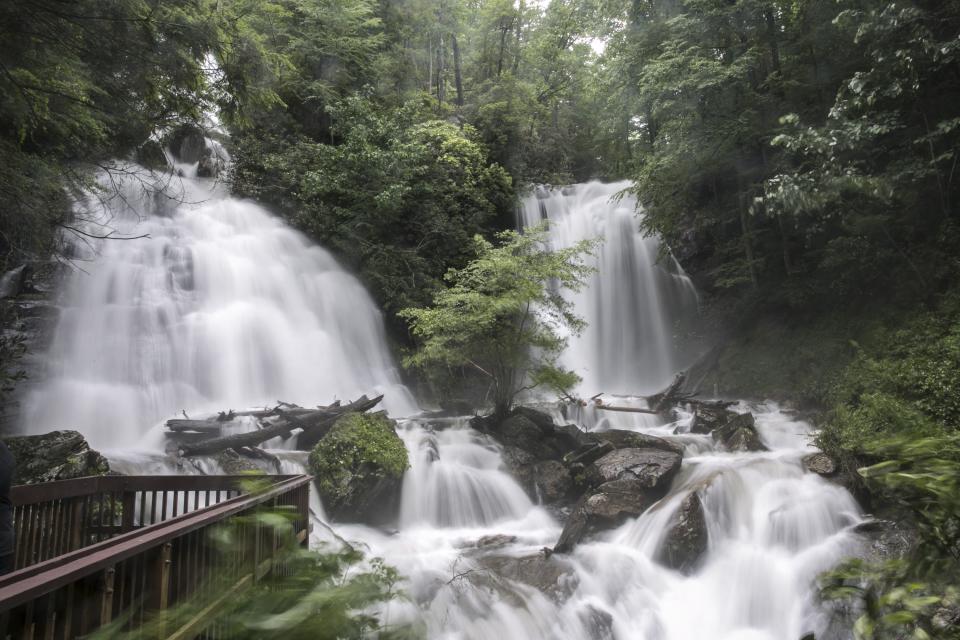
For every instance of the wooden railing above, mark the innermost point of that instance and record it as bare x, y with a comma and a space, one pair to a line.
121, 548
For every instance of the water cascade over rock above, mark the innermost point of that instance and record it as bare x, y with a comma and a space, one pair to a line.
633, 301
217, 304
224, 305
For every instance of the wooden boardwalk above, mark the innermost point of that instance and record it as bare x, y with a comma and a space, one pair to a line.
122, 548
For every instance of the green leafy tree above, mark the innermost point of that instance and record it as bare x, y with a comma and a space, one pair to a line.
504, 315
399, 198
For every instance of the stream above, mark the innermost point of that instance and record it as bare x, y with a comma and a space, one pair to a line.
224, 305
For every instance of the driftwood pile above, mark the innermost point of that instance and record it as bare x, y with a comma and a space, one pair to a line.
205, 437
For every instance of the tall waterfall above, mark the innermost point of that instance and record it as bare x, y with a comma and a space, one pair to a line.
632, 302
216, 304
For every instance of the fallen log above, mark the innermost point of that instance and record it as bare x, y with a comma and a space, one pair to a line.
205, 426
311, 421
608, 407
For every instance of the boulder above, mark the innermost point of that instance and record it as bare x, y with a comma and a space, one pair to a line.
521, 432
495, 540
234, 464
686, 538
208, 166
358, 468
706, 418
552, 481
608, 506
623, 439
534, 432
820, 463
520, 465
649, 468
588, 453
549, 574
539, 418
58, 455
739, 434
627, 482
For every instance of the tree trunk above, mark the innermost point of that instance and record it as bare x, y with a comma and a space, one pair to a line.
314, 422
457, 77
441, 73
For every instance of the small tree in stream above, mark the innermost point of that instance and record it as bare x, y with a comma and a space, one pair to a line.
504, 315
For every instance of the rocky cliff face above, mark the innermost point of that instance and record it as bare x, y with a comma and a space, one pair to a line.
28, 317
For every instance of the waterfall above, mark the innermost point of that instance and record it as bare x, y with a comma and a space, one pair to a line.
633, 301
216, 304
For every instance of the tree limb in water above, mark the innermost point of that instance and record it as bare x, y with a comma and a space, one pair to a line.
313, 423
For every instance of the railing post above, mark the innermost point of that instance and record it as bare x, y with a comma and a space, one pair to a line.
76, 523
106, 598
128, 506
159, 581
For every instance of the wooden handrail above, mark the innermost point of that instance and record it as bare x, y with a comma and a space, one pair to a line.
150, 562
29, 582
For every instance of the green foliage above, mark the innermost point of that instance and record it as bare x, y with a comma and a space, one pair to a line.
504, 315
897, 422
910, 596
89, 82
319, 594
399, 199
364, 444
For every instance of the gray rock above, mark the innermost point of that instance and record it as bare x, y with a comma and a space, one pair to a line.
496, 540
623, 439
686, 538
589, 453
552, 481
608, 506
233, 463
706, 418
628, 482
58, 455
549, 574
739, 434
599, 623
539, 418
13, 282
820, 463
208, 166
521, 432
652, 468
520, 465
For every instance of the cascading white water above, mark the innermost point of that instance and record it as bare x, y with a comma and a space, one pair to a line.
631, 303
772, 529
225, 306
221, 306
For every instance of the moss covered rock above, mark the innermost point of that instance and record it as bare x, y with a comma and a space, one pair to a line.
58, 455
358, 468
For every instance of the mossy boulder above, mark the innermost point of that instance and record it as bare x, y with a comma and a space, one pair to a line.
58, 455
358, 468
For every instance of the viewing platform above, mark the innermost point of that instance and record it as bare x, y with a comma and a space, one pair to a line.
96, 550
